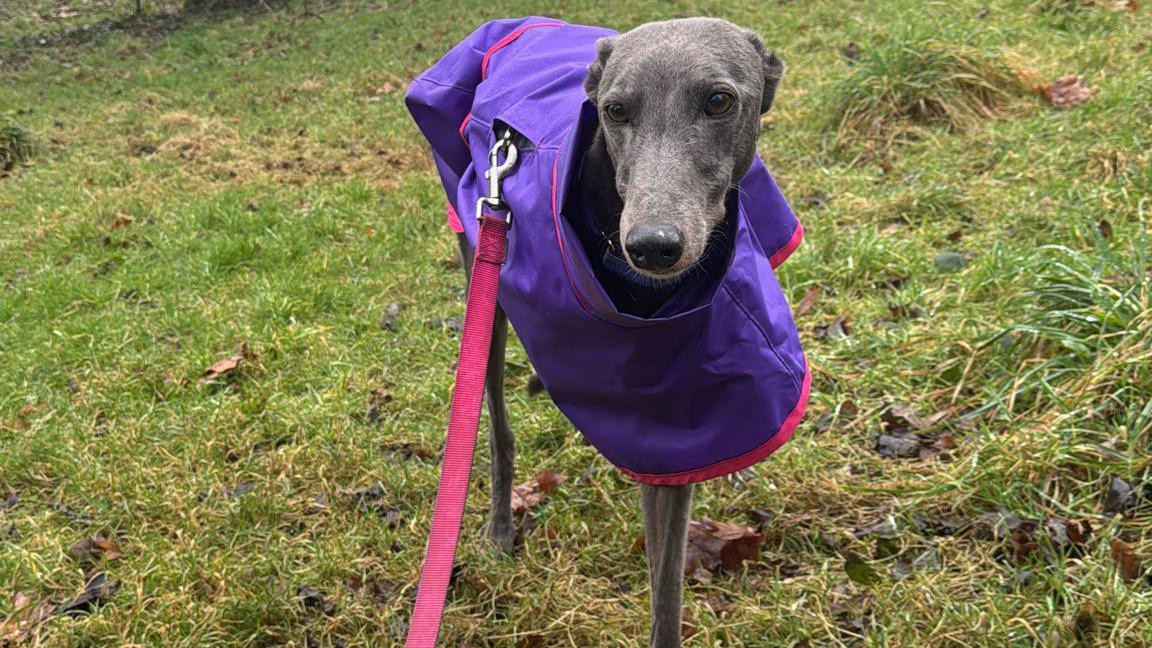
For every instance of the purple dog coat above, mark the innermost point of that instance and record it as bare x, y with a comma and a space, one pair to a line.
715, 379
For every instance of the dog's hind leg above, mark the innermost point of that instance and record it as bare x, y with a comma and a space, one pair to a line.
666, 512
500, 441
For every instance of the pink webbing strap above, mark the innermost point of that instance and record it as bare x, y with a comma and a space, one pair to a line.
467, 397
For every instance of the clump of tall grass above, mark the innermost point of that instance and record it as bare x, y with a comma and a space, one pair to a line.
16, 146
1084, 347
922, 82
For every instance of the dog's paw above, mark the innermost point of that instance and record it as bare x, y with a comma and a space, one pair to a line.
504, 536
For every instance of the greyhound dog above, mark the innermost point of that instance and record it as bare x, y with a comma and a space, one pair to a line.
679, 106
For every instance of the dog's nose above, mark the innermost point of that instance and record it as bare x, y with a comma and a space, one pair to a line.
654, 248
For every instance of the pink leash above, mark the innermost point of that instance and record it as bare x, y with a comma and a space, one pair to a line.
467, 398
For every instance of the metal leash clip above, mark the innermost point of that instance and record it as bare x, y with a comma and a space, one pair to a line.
496, 171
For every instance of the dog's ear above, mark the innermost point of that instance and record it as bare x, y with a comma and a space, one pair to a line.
773, 70
596, 70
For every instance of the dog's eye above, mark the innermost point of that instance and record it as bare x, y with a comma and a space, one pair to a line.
616, 113
718, 103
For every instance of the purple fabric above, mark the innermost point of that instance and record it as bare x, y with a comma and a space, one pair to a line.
715, 380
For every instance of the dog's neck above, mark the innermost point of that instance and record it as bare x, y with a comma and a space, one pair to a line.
598, 182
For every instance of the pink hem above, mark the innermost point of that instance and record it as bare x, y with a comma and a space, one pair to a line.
463, 125
508, 39
500, 44
783, 253
454, 220
743, 461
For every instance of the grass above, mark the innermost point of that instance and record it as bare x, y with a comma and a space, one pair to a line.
922, 81
16, 146
253, 179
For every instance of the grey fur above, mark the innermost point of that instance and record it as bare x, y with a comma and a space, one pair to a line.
671, 165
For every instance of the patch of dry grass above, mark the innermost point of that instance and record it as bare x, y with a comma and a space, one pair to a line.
906, 84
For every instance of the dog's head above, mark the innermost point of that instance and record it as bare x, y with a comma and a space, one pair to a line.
679, 104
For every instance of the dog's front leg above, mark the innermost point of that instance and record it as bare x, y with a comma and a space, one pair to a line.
666, 512
500, 440
503, 446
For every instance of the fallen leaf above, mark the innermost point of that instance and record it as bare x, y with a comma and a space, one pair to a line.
1068, 535
807, 302
313, 599
221, 368
1023, 542
687, 627
898, 417
121, 222
1067, 92
955, 235
27, 615
98, 547
761, 517
239, 490
1086, 624
1105, 228
528, 495
1127, 563
1119, 496
950, 261
839, 329
391, 316
371, 500
892, 446
718, 545
901, 570
858, 570
98, 590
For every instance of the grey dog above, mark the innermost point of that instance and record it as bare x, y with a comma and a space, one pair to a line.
679, 104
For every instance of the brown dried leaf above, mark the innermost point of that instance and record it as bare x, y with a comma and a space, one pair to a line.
98, 547
807, 303
719, 545
27, 615
1127, 563
900, 417
528, 495
1105, 228
221, 368
1067, 92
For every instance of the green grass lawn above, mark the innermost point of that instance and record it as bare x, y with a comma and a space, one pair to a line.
199, 186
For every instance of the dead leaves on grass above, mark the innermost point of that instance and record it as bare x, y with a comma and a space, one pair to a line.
99, 547
713, 546
906, 435
1127, 563
1067, 92
29, 614
531, 493
223, 368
